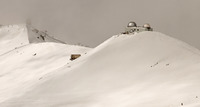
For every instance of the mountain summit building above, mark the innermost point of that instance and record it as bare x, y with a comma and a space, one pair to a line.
132, 28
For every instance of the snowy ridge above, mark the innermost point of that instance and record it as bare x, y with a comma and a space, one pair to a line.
36, 36
22, 64
12, 36
15, 36
148, 69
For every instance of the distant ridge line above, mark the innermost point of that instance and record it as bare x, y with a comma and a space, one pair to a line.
35, 36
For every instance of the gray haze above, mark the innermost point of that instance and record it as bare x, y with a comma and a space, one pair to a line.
90, 22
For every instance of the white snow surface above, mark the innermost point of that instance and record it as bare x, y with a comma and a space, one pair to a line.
148, 69
12, 36
23, 65
15, 36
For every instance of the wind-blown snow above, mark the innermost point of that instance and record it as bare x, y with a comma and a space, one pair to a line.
148, 69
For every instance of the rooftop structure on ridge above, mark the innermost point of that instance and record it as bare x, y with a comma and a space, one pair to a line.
133, 28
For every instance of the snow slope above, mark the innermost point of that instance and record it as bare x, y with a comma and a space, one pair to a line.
12, 36
24, 67
15, 36
22, 64
148, 69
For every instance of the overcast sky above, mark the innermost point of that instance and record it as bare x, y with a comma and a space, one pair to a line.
90, 22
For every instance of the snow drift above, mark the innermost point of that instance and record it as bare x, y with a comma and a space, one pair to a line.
148, 69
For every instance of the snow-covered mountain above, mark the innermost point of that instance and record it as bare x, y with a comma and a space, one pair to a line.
148, 69
23, 62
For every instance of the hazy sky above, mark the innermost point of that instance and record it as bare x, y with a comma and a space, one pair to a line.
90, 22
